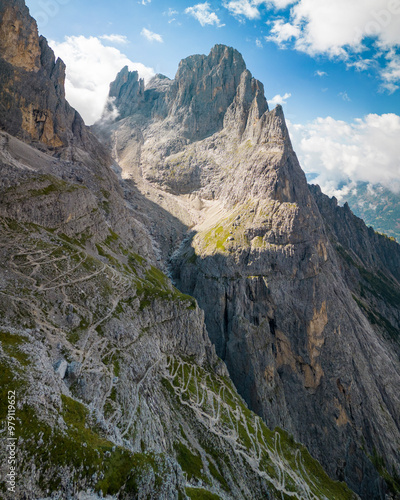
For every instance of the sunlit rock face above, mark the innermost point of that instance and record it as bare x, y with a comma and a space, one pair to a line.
292, 304
119, 392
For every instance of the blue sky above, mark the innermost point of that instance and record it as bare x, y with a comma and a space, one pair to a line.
336, 61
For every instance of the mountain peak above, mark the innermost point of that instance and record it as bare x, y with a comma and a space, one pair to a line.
28, 63
19, 41
205, 93
219, 55
125, 92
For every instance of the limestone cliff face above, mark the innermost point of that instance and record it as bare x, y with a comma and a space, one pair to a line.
119, 392
265, 267
18, 41
32, 85
371, 266
125, 93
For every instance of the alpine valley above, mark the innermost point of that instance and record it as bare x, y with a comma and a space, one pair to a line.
181, 314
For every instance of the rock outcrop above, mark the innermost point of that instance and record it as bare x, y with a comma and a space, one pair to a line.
118, 389
264, 261
32, 86
125, 94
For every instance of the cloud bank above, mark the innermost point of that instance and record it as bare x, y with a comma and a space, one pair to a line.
91, 66
363, 33
341, 153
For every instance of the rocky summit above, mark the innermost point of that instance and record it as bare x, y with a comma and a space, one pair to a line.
301, 300
181, 315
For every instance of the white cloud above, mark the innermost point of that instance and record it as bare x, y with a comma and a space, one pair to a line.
391, 74
339, 29
345, 96
320, 73
122, 39
259, 43
250, 8
244, 8
339, 152
278, 99
280, 4
282, 32
151, 36
361, 64
91, 66
204, 14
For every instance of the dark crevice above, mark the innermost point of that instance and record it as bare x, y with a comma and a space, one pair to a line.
226, 327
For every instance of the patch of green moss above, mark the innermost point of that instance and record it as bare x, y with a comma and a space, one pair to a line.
345, 256
380, 286
392, 480
324, 485
156, 285
375, 318
137, 259
183, 297
111, 238
193, 379
117, 368
168, 386
10, 344
124, 469
229, 232
99, 330
391, 238
82, 451
258, 242
10, 380
201, 494
113, 394
105, 193
105, 205
157, 278
112, 260
74, 335
190, 462
212, 451
53, 185
73, 242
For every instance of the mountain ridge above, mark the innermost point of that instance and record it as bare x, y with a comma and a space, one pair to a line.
265, 264
119, 392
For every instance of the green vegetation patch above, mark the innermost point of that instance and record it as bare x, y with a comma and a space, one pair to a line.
392, 480
11, 343
233, 231
111, 259
324, 485
156, 285
201, 494
381, 286
10, 380
190, 462
111, 238
279, 456
90, 459
53, 185
258, 242
375, 318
